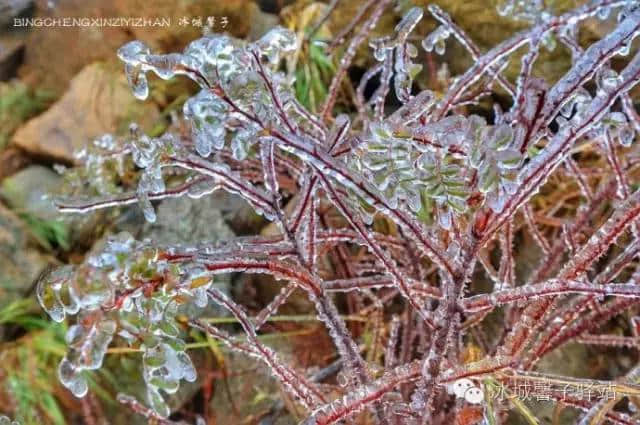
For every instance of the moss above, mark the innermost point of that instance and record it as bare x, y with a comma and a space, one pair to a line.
18, 103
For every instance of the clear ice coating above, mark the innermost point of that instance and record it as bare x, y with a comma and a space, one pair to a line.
428, 161
217, 60
134, 54
425, 163
436, 40
88, 343
523, 10
397, 49
124, 289
207, 115
275, 42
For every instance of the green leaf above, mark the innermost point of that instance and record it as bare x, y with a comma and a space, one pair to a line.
318, 56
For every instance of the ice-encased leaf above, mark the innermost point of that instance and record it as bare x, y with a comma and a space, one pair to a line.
436, 40
53, 293
206, 113
157, 403
497, 162
276, 41
443, 182
408, 23
133, 52
607, 79
72, 379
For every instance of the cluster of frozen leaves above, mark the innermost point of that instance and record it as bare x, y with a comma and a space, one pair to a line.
219, 59
442, 161
124, 289
101, 166
234, 66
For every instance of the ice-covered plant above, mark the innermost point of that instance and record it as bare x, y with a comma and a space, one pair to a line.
436, 196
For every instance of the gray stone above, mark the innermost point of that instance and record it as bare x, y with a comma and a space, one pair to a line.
20, 263
10, 9
261, 22
188, 221
30, 190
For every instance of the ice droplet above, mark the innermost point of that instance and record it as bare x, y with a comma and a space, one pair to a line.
137, 80
71, 379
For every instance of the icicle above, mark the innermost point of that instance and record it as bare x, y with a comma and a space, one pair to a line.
134, 54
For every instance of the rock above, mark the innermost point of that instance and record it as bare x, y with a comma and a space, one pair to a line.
98, 101
12, 160
99, 43
54, 55
189, 221
30, 190
20, 263
248, 397
11, 49
238, 13
10, 9
19, 104
261, 22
